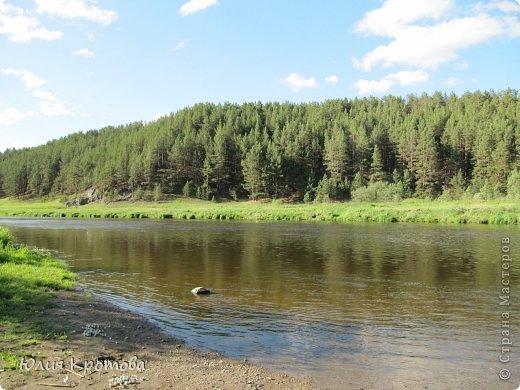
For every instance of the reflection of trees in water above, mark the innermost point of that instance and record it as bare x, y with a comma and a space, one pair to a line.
351, 268
393, 298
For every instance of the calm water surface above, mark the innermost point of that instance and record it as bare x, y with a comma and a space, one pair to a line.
364, 305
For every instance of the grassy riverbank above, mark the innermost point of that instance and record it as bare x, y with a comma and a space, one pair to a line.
411, 210
28, 278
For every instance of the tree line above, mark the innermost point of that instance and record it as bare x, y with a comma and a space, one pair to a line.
390, 148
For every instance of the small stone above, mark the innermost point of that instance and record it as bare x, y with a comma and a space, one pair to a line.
200, 290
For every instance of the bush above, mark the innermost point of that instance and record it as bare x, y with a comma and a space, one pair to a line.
486, 192
203, 192
187, 190
233, 194
5, 237
138, 194
513, 185
378, 192
157, 193
456, 188
307, 198
331, 189
357, 182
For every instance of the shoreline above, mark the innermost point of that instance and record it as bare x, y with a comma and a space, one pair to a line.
496, 212
55, 334
129, 345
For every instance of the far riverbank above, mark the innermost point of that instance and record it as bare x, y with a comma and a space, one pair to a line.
499, 212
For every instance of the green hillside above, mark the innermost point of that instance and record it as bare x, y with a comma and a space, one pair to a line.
365, 149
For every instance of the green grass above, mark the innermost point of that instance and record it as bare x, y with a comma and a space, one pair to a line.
28, 278
411, 210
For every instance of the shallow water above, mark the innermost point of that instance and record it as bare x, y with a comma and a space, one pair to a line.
364, 305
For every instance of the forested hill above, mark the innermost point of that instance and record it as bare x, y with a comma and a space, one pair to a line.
424, 146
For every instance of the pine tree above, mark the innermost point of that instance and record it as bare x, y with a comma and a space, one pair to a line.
513, 185
221, 160
457, 186
408, 183
500, 166
157, 193
427, 168
274, 169
357, 182
208, 172
253, 167
187, 190
335, 154
396, 177
376, 168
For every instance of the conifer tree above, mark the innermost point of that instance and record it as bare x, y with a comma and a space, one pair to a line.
335, 154
376, 168
253, 171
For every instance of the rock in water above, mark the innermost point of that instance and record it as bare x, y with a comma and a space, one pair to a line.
201, 290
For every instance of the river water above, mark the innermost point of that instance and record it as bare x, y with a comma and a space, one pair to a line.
369, 305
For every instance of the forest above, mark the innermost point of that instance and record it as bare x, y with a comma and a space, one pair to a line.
388, 148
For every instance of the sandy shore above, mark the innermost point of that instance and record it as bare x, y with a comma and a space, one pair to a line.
128, 348
132, 348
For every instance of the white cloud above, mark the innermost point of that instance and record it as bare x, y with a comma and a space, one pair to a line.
29, 80
21, 27
194, 6
512, 26
507, 6
53, 108
84, 53
76, 9
394, 15
49, 104
403, 78
297, 82
365, 87
179, 46
45, 96
406, 78
461, 65
424, 35
10, 116
430, 46
332, 79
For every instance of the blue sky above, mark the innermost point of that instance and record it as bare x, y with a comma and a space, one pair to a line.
76, 65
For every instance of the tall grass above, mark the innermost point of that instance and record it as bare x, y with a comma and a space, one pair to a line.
28, 278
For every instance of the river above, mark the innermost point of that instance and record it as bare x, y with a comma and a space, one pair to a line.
393, 305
